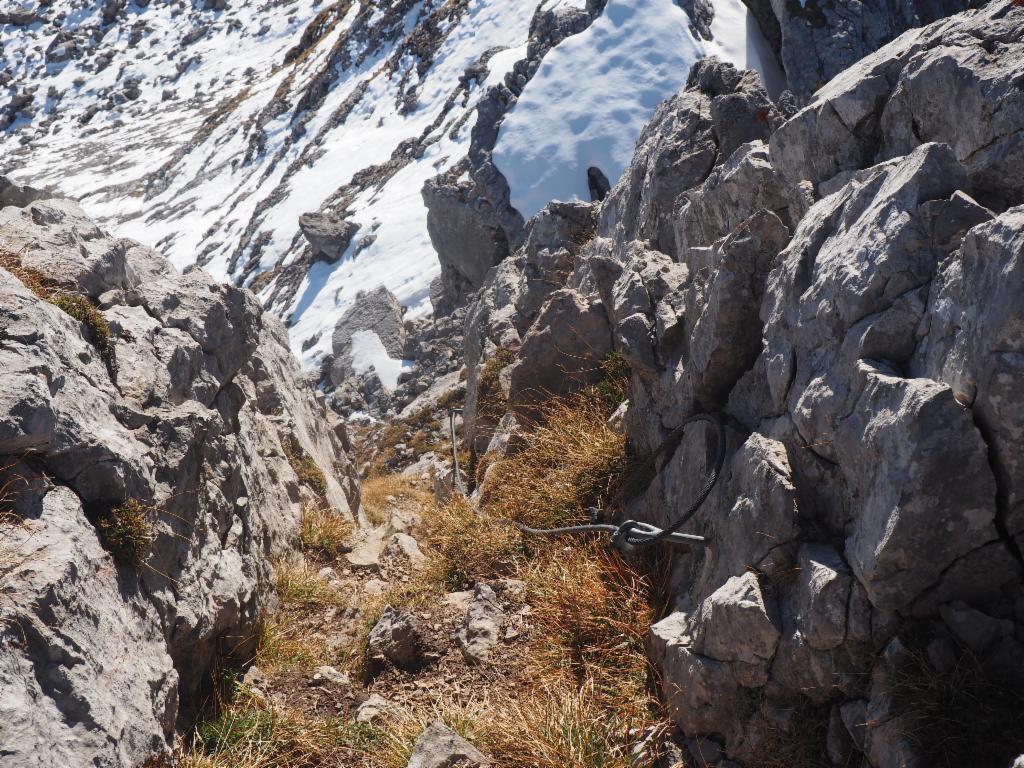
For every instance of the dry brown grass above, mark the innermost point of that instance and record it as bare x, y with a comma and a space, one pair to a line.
490, 398
405, 491
587, 694
469, 547
571, 462
323, 532
583, 690
299, 584
283, 640
420, 431
594, 610
10, 486
127, 531
553, 724
251, 732
801, 745
33, 279
305, 467
966, 715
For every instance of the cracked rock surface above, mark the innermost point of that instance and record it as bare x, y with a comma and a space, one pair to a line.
844, 288
197, 414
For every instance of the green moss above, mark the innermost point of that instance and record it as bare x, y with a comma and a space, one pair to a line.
127, 532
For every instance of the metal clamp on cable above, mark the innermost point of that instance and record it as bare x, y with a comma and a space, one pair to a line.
632, 535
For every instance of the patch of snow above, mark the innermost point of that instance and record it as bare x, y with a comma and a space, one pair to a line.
368, 351
594, 93
736, 37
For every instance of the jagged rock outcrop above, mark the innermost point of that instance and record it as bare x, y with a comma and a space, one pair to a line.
377, 312
516, 291
472, 223
816, 41
844, 288
157, 443
697, 129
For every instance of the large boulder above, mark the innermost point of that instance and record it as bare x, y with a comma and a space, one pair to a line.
328, 235
889, 103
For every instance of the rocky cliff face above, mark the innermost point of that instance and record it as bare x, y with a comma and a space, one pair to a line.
157, 445
843, 288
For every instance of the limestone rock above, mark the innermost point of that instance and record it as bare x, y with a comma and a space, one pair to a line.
396, 638
734, 624
823, 590
326, 674
375, 707
700, 692
894, 88
563, 350
377, 312
481, 629
403, 547
468, 245
193, 425
719, 110
440, 747
817, 43
746, 183
328, 235
78, 639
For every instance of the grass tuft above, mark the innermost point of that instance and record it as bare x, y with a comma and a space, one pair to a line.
253, 733
557, 725
490, 398
471, 547
76, 305
420, 432
377, 490
572, 461
298, 583
284, 642
323, 532
85, 312
967, 715
127, 532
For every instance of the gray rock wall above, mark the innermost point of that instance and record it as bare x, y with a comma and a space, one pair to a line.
190, 412
815, 41
845, 289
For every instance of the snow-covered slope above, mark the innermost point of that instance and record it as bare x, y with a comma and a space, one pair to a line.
206, 127
595, 92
